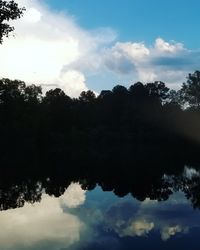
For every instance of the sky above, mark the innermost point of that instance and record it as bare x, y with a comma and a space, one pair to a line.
78, 45
139, 20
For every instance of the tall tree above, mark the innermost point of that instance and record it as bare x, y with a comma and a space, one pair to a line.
158, 90
87, 96
9, 10
190, 91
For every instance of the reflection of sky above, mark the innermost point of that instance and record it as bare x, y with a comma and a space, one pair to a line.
100, 220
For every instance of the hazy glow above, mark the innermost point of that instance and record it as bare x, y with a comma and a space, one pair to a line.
33, 15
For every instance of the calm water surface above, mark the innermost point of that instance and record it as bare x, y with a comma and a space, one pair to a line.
81, 219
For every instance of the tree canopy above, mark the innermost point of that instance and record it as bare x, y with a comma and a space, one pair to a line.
190, 91
9, 10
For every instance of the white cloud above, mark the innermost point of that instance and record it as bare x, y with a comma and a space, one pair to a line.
169, 62
124, 58
45, 43
32, 15
164, 46
72, 82
134, 51
146, 75
43, 224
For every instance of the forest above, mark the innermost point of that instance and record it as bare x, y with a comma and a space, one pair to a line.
121, 135
120, 127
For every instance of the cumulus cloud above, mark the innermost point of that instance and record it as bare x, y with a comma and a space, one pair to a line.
43, 225
169, 62
166, 61
44, 44
124, 57
72, 82
164, 46
135, 51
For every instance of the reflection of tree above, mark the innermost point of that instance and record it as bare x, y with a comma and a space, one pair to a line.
14, 193
191, 187
13, 196
124, 140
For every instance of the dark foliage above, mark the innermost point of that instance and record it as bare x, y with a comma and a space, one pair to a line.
124, 140
9, 10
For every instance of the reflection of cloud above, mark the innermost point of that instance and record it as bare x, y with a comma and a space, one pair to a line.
189, 173
124, 219
133, 227
137, 228
131, 218
43, 224
74, 196
167, 232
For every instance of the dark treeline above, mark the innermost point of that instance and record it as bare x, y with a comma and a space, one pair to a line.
124, 140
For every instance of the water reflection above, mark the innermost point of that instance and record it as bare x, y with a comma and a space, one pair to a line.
48, 224
153, 181
81, 219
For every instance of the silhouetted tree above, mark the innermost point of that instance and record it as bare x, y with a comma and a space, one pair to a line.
158, 90
54, 95
9, 10
105, 94
33, 94
120, 90
87, 96
138, 90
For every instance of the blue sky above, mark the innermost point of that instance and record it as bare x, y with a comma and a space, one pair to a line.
139, 20
78, 45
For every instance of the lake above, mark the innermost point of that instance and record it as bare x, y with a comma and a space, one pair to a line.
96, 219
